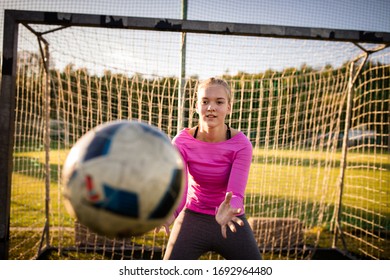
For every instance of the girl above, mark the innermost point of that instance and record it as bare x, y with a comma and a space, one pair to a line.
217, 160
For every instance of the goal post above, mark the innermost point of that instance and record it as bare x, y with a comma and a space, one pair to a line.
7, 127
320, 132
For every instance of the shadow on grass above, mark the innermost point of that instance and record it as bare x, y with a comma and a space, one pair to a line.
32, 167
313, 213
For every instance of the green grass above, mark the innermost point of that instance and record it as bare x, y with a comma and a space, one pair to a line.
308, 177
301, 184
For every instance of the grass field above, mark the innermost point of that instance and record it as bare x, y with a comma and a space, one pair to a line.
282, 183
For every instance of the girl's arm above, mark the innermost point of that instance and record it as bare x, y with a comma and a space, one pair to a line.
239, 175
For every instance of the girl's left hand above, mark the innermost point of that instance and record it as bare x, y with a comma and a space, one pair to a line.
166, 225
226, 215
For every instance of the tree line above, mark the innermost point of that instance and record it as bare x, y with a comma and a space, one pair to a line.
275, 107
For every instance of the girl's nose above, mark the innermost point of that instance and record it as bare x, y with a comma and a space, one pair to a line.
210, 108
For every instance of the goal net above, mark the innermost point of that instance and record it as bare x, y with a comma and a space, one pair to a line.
315, 111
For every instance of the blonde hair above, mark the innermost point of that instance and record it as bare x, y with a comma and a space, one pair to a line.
216, 81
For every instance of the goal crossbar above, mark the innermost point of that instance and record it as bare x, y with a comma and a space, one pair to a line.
196, 26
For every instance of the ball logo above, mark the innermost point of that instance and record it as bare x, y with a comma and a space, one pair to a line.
92, 195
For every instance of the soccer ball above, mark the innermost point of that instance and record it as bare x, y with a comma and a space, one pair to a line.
123, 178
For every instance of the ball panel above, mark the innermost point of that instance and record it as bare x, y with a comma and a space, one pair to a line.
100, 144
112, 225
155, 132
95, 174
170, 197
119, 202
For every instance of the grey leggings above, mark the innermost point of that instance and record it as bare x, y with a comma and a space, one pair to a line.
194, 234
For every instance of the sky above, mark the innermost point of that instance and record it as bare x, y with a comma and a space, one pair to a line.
158, 53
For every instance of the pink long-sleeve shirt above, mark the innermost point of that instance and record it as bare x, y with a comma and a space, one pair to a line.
212, 170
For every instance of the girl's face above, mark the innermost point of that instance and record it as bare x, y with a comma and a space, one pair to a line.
212, 105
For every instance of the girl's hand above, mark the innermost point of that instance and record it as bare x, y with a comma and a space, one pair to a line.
226, 215
166, 225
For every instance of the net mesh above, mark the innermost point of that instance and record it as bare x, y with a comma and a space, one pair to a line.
290, 100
